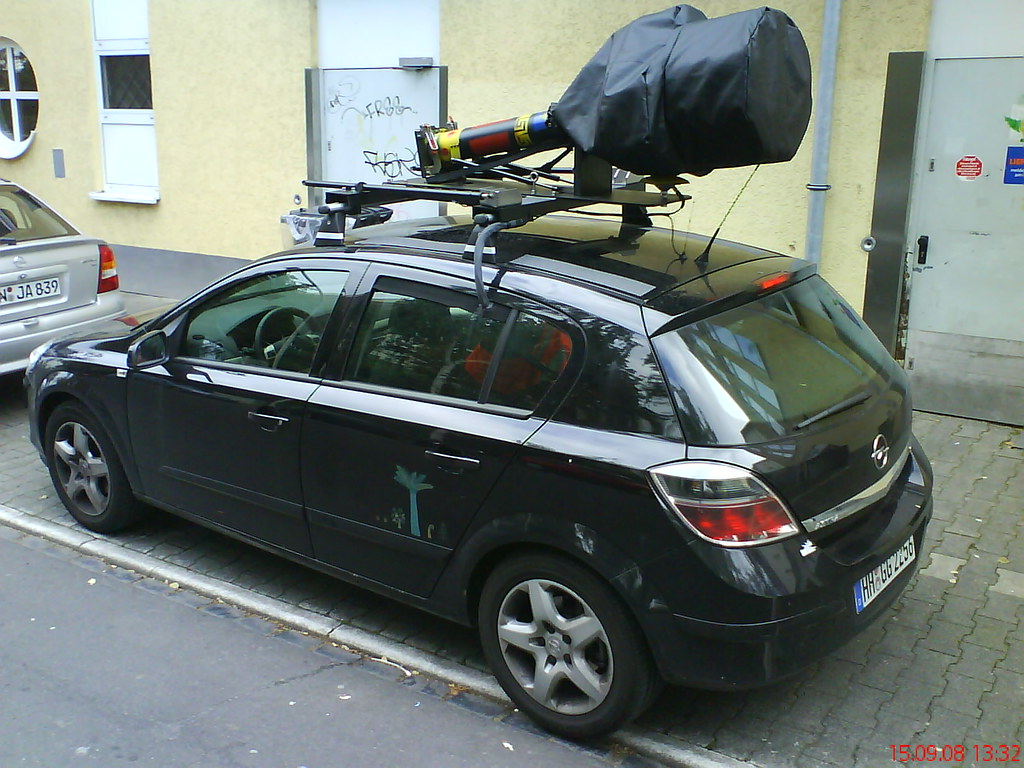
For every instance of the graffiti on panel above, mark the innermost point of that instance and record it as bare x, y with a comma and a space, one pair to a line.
375, 124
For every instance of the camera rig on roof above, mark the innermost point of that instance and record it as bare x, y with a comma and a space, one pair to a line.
672, 92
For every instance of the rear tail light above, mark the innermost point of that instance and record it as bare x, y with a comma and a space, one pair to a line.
771, 282
108, 270
724, 504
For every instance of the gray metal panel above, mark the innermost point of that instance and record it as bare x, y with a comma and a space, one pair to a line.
442, 110
314, 138
970, 376
442, 92
59, 170
893, 178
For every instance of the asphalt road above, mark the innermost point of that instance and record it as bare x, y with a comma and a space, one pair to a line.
104, 667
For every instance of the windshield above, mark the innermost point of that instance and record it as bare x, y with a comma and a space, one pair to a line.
773, 366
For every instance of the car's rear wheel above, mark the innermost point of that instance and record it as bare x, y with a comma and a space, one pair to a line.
86, 471
564, 647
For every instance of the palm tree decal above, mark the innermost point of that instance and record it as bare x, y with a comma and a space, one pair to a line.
413, 482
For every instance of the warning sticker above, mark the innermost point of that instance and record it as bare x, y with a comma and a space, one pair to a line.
969, 167
1014, 173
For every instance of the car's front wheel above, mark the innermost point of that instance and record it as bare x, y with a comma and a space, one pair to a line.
86, 471
564, 647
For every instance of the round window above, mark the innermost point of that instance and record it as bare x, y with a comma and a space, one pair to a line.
19, 100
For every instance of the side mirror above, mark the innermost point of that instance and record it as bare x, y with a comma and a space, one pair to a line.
148, 351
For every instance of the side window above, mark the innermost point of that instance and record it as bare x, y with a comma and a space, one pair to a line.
535, 353
447, 345
622, 388
420, 344
270, 321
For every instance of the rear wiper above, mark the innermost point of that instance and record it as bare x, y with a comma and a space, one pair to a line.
832, 410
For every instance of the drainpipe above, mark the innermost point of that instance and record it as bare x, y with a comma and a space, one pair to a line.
819, 185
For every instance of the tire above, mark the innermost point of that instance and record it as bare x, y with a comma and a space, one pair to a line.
564, 647
86, 471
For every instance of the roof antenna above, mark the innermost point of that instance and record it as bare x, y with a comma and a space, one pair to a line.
702, 260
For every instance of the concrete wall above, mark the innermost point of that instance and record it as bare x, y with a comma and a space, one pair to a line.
357, 33
978, 28
503, 64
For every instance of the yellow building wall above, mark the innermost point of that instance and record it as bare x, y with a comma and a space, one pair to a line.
510, 59
228, 96
229, 106
56, 35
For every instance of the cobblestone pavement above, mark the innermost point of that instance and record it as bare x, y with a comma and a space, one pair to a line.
945, 667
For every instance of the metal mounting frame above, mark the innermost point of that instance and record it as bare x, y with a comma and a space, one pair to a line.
504, 201
510, 200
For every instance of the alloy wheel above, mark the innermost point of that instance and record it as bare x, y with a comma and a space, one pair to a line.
555, 646
81, 468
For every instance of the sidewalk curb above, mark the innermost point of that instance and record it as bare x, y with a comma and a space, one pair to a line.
473, 681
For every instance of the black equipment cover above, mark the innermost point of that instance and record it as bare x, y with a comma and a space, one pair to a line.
675, 92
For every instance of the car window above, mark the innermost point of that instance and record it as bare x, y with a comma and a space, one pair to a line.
448, 345
274, 320
622, 389
756, 372
22, 217
535, 353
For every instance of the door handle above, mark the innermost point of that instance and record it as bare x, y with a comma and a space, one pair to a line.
269, 422
922, 249
198, 376
455, 462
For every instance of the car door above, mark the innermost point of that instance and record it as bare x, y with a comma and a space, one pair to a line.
216, 430
431, 397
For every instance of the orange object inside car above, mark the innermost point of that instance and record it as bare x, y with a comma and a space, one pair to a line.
515, 374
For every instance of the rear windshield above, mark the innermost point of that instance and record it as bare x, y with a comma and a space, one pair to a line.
22, 217
771, 367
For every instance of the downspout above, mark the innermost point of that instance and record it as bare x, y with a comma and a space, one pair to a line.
818, 184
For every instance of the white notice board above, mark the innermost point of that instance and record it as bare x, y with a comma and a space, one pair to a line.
368, 119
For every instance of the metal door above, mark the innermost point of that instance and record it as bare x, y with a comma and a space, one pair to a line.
396, 464
965, 341
223, 445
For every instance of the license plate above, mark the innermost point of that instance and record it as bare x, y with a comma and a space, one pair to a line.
29, 290
872, 585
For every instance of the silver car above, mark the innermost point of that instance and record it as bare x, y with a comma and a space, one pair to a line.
53, 280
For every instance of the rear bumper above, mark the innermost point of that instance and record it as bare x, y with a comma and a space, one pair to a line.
19, 337
732, 656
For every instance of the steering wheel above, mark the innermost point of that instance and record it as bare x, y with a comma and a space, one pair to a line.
296, 352
260, 344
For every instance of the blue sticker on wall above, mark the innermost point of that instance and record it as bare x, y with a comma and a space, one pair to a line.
1014, 173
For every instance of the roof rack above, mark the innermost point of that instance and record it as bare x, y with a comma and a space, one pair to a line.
499, 190
501, 194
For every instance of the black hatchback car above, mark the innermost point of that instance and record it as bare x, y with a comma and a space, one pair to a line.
636, 456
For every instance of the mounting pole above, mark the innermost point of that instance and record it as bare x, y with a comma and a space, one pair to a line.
819, 185
592, 176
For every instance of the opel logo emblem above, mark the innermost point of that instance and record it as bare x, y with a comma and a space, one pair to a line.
880, 451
